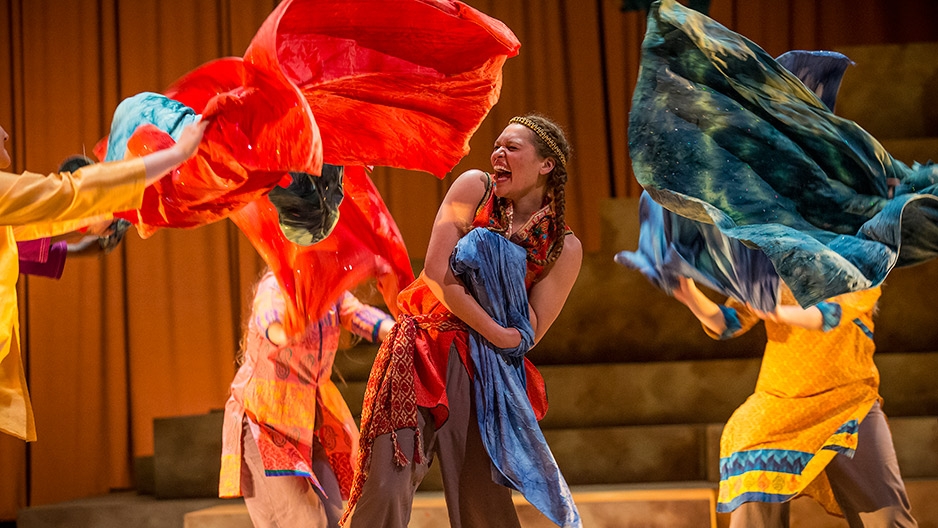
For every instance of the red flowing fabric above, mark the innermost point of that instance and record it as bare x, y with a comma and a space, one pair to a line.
412, 73
257, 133
365, 242
399, 83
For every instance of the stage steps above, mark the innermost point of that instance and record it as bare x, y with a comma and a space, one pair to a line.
680, 392
126, 509
662, 425
640, 422
661, 421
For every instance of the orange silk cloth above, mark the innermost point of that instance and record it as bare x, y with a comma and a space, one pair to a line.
365, 243
343, 82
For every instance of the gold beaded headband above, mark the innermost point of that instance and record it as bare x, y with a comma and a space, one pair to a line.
541, 133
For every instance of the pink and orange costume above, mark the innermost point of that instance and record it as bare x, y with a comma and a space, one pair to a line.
286, 396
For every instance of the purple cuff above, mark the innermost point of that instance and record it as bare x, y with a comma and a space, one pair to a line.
34, 250
38, 257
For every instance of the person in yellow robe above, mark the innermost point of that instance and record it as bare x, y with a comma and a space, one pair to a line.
36, 205
814, 425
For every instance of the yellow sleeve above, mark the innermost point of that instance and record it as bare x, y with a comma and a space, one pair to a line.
857, 304
51, 229
94, 190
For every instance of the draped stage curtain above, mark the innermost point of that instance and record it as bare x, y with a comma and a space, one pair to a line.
151, 330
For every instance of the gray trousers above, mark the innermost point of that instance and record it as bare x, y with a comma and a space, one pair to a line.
288, 501
868, 487
472, 499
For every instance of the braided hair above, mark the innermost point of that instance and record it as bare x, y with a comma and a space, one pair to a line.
557, 178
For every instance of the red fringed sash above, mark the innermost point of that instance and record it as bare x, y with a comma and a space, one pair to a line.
390, 399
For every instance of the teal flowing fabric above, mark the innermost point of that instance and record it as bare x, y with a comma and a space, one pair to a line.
671, 246
721, 133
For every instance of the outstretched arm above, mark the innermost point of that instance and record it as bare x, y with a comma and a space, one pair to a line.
363, 320
159, 163
793, 315
62, 202
707, 311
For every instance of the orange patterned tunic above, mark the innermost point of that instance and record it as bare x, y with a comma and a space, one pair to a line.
287, 396
814, 389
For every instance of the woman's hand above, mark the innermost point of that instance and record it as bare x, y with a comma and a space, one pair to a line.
506, 338
385, 328
190, 138
705, 310
161, 162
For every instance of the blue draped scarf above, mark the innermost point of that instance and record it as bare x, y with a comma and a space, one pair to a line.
492, 269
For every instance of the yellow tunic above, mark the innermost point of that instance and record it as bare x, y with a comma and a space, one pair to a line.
43, 205
814, 389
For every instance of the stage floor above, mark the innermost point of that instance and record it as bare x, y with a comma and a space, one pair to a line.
664, 505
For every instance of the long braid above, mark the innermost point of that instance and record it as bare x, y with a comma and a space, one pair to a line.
554, 146
560, 204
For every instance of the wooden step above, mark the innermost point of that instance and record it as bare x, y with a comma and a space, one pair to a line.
689, 392
666, 505
616, 454
686, 504
187, 455
807, 513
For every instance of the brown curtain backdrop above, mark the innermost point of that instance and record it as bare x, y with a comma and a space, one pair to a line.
151, 330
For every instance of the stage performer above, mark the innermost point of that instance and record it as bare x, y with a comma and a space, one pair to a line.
722, 134
46, 205
289, 438
420, 399
814, 425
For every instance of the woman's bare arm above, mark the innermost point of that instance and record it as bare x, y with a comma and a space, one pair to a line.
159, 163
453, 221
548, 296
707, 311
